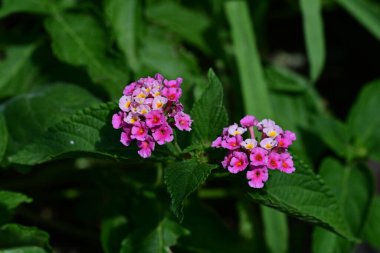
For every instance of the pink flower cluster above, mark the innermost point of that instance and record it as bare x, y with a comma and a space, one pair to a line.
150, 107
269, 151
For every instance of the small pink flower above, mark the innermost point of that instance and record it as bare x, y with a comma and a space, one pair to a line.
232, 143
146, 147
257, 177
265, 123
268, 143
258, 156
125, 103
249, 144
128, 90
173, 83
163, 134
125, 137
159, 102
217, 143
139, 131
172, 94
154, 118
236, 130
248, 121
272, 131
183, 121
286, 163
143, 109
227, 160
159, 77
290, 135
117, 120
131, 118
238, 162
274, 160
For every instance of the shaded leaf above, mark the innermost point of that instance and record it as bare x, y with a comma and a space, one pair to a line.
334, 133
124, 17
353, 187
208, 113
314, 36
32, 6
367, 12
24, 250
78, 39
87, 132
190, 25
3, 137
275, 229
363, 123
13, 236
113, 231
157, 240
304, 195
371, 232
17, 70
182, 178
42, 109
11, 200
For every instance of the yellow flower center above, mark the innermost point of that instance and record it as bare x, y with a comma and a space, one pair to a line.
268, 145
272, 134
159, 104
141, 95
249, 146
127, 104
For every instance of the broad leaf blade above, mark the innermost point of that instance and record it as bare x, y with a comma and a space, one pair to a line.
79, 39
42, 109
305, 196
13, 235
188, 24
157, 240
87, 132
372, 227
363, 123
354, 190
182, 178
124, 17
208, 113
18, 72
113, 231
314, 36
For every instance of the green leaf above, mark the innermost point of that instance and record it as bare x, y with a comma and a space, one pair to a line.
13, 236
353, 187
182, 178
8, 202
3, 137
157, 240
124, 17
363, 123
208, 113
190, 25
334, 133
276, 230
42, 109
113, 231
87, 132
32, 6
24, 250
371, 230
17, 70
305, 196
254, 88
314, 36
79, 40
367, 12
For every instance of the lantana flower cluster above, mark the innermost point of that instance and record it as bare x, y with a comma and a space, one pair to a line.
150, 108
268, 151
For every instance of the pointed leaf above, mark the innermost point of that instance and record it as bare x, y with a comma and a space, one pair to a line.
79, 39
208, 113
367, 12
42, 109
189, 24
182, 178
17, 70
305, 196
372, 226
353, 187
157, 240
87, 132
314, 36
13, 235
32, 6
124, 17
